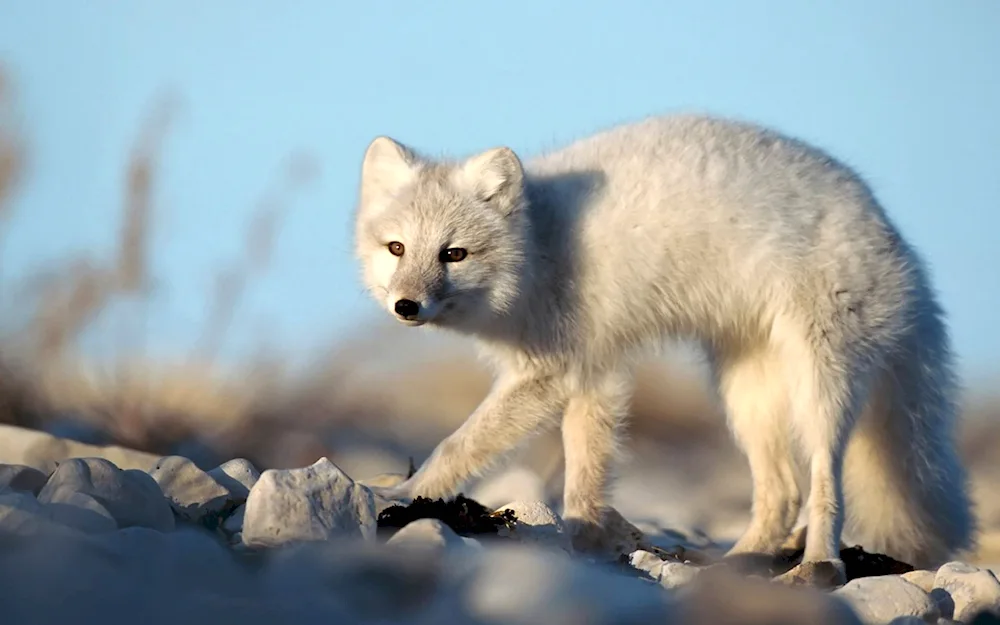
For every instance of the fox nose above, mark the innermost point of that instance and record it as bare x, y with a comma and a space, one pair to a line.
407, 308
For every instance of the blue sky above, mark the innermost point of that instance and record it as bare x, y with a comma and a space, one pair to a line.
907, 91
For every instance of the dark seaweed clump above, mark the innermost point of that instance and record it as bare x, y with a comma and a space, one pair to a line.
857, 563
465, 516
860, 563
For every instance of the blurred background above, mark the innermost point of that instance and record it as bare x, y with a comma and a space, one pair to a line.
177, 181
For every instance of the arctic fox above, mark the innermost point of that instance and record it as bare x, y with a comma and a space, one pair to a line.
823, 333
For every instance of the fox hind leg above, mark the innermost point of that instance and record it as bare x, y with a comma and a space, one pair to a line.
756, 397
829, 389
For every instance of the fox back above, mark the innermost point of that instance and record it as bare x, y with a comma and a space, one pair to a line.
685, 226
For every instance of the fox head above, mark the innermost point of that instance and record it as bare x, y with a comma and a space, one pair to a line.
440, 242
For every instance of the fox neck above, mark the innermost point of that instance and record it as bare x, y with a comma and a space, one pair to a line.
527, 319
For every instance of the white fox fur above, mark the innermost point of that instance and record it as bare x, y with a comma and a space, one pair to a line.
824, 335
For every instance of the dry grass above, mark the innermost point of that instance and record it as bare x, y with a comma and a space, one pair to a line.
356, 400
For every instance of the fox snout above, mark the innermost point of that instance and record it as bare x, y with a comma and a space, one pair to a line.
407, 309
413, 312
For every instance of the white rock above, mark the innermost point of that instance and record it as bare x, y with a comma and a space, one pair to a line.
193, 494
675, 574
922, 578
431, 534
971, 589
22, 515
238, 475
472, 543
318, 502
234, 522
383, 480
132, 497
188, 560
521, 584
18, 477
878, 600
646, 561
515, 484
718, 595
80, 511
667, 574
538, 524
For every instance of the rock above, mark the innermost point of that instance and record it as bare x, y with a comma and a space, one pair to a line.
375, 583
675, 574
878, 600
21, 515
80, 511
719, 595
429, 534
826, 574
522, 584
515, 484
383, 480
44, 451
537, 524
971, 590
234, 522
318, 502
197, 450
194, 495
238, 476
646, 561
923, 579
18, 477
667, 574
188, 560
132, 497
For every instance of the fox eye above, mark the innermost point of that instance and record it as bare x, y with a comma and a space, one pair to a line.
453, 255
396, 248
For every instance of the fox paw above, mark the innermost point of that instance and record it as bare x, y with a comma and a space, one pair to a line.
609, 538
586, 537
819, 574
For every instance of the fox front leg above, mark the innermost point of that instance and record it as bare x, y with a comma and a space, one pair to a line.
517, 406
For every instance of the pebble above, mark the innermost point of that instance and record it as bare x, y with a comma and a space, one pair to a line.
428, 534
18, 477
971, 590
132, 497
878, 600
538, 524
80, 511
238, 475
193, 493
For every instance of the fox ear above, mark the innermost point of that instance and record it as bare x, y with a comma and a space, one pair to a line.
387, 167
495, 176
